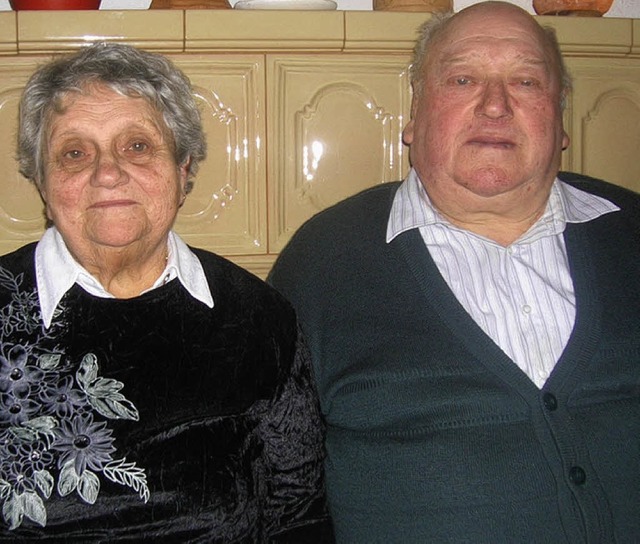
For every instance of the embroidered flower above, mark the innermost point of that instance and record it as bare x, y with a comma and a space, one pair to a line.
16, 410
61, 398
54, 416
85, 443
16, 375
22, 462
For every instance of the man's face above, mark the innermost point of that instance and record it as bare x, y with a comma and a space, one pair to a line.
486, 122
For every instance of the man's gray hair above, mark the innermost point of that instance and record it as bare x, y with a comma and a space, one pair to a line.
430, 31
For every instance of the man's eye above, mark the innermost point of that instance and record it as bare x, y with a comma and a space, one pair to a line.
462, 81
528, 82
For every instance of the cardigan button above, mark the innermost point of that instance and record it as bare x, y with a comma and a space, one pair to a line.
550, 401
577, 475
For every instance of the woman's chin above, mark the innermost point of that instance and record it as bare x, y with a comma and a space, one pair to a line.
115, 237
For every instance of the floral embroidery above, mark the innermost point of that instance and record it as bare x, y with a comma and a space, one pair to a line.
54, 433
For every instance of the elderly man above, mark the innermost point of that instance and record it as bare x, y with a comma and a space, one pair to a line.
475, 329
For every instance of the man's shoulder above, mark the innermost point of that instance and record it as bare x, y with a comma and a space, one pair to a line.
361, 211
621, 196
341, 233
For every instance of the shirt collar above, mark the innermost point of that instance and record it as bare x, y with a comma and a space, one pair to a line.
412, 209
57, 271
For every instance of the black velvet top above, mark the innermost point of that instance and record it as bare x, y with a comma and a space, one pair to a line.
157, 418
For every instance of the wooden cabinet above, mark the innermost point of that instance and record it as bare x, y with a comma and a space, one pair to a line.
303, 109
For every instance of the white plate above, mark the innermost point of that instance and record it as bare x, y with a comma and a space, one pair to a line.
286, 4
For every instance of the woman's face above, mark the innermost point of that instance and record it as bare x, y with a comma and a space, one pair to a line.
111, 180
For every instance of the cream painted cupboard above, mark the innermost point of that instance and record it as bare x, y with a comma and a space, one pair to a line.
303, 109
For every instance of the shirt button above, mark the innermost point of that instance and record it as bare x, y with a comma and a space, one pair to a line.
577, 475
526, 309
550, 401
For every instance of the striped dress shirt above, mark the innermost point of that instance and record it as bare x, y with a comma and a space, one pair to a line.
521, 295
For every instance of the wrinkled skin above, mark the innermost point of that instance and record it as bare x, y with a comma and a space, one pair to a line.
486, 132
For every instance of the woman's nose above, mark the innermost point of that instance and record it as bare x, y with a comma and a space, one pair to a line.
108, 171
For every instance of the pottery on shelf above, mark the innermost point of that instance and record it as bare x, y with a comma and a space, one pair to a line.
585, 8
190, 4
20, 5
413, 5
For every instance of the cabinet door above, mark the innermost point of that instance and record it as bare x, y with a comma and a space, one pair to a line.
604, 120
226, 211
22, 217
335, 128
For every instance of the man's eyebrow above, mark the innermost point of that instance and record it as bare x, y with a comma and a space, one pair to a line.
524, 59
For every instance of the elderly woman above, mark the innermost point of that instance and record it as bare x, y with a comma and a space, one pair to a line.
148, 390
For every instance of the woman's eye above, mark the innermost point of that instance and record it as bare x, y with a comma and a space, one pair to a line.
139, 147
73, 154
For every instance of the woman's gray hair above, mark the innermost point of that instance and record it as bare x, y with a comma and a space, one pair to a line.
126, 70
430, 31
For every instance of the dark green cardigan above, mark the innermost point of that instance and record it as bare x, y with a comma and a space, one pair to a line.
434, 434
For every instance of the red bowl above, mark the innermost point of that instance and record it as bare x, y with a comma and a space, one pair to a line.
19, 5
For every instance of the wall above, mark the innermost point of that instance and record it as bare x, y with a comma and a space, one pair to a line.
620, 8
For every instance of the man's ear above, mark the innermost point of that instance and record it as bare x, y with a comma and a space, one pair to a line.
407, 132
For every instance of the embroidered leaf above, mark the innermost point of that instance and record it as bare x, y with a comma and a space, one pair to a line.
5, 489
68, 479
8, 281
13, 510
115, 406
89, 486
103, 393
43, 424
104, 387
129, 474
88, 371
34, 508
24, 433
44, 481
49, 361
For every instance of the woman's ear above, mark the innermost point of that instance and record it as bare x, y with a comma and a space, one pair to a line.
183, 174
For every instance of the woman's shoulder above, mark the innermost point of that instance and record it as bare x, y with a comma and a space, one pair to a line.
230, 282
17, 270
19, 260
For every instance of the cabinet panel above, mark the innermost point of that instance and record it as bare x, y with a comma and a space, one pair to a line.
226, 211
335, 129
21, 210
605, 120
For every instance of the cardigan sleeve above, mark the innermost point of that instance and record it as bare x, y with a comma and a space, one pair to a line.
292, 460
